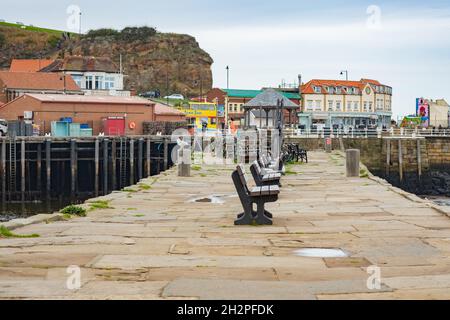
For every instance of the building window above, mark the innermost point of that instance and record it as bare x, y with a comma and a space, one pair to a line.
338, 90
109, 83
370, 106
365, 106
356, 106
98, 83
318, 105
349, 106
78, 79
89, 82
310, 106
338, 106
330, 105
317, 90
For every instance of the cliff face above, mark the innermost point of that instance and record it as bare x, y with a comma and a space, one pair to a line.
151, 62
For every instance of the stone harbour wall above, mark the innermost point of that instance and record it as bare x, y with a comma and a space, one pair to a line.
417, 165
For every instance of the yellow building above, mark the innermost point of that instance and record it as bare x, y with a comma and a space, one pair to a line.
201, 114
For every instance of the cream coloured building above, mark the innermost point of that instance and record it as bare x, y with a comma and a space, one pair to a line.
335, 103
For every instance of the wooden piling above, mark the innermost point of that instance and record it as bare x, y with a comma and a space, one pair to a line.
73, 168
419, 160
96, 166
140, 158
149, 161
22, 170
48, 163
3, 171
388, 157
113, 164
400, 160
166, 153
39, 168
131, 161
105, 167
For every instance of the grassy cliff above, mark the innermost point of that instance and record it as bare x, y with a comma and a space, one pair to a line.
150, 59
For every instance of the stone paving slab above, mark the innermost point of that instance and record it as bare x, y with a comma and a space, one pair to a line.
159, 244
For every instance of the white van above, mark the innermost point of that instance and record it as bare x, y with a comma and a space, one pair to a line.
3, 127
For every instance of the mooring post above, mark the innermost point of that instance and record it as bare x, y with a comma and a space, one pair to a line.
39, 168
113, 164
131, 161
400, 160
48, 164
419, 160
73, 168
166, 153
105, 167
352, 163
149, 160
96, 166
22, 170
140, 158
3, 171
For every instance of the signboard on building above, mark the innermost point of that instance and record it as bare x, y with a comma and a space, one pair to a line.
423, 111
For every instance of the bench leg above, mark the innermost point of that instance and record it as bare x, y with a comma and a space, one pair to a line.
267, 213
262, 218
244, 219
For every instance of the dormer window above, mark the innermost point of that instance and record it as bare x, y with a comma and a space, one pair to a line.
317, 90
338, 90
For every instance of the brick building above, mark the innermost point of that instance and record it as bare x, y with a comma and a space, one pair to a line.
46, 108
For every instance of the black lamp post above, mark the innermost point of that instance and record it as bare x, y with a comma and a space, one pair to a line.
346, 74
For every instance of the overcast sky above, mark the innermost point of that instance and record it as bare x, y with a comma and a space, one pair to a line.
404, 44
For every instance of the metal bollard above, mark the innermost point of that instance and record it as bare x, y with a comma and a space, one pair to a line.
353, 161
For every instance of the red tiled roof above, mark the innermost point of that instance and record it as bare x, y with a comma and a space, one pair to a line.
38, 81
308, 88
161, 109
82, 64
75, 98
29, 65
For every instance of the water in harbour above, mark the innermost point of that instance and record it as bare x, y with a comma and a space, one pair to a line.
12, 211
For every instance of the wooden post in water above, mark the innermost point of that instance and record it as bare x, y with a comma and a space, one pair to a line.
419, 160
166, 153
23, 180
48, 170
96, 166
388, 157
39, 168
105, 167
131, 161
400, 160
3, 171
149, 161
73, 168
140, 158
113, 164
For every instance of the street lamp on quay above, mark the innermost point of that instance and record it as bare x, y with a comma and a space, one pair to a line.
346, 74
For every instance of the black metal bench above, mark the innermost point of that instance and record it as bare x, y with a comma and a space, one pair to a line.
257, 195
263, 179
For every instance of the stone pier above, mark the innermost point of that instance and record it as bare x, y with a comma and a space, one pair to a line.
162, 239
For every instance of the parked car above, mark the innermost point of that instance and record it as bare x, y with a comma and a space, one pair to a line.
3, 127
175, 97
150, 94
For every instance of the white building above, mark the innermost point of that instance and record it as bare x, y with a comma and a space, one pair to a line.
334, 103
95, 76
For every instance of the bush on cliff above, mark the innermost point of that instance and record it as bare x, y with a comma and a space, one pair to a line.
102, 33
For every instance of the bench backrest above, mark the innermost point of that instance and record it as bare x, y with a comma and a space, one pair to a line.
257, 167
242, 175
